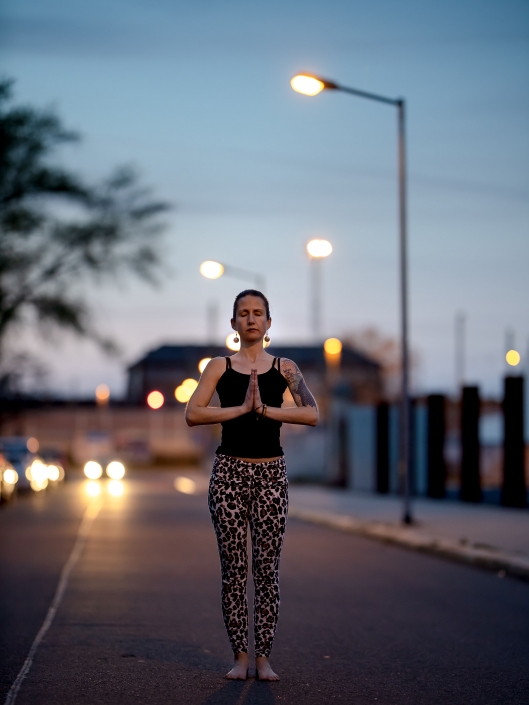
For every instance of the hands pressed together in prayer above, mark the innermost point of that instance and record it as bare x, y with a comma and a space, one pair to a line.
252, 401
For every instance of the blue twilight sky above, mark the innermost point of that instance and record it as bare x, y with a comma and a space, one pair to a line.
197, 95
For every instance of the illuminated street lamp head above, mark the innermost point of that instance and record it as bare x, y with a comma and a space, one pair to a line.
513, 358
307, 85
211, 269
319, 248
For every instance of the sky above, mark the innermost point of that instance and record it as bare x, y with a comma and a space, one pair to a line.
196, 95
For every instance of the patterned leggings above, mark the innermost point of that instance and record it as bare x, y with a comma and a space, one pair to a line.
254, 493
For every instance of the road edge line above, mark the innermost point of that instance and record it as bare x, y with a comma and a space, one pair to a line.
408, 537
90, 514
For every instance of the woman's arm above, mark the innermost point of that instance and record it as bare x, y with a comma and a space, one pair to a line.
199, 413
306, 410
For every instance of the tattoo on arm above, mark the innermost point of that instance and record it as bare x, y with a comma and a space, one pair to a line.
300, 392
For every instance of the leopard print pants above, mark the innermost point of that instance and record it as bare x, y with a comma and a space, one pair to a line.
242, 493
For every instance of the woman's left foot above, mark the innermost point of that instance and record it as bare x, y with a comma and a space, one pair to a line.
263, 670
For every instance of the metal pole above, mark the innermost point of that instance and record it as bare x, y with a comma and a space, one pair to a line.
460, 325
315, 271
404, 455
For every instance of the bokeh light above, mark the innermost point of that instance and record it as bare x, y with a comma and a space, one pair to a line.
513, 358
38, 485
115, 470
184, 392
93, 488
211, 269
203, 364
332, 346
102, 394
115, 488
230, 344
307, 85
32, 445
155, 400
54, 474
93, 470
10, 476
319, 248
185, 485
38, 472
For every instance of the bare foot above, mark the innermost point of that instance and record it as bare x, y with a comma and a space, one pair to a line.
240, 671
264, 669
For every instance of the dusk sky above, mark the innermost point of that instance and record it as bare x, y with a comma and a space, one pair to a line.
197, 96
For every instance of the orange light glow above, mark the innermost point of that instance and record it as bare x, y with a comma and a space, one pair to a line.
155, 400
332, 346
203, 364
102, 394
184, 392
32, 445
230, 344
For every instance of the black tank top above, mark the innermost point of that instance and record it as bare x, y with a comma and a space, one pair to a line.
250, 435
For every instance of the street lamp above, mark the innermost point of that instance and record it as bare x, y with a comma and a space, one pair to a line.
318, 250
214, 270
312, 85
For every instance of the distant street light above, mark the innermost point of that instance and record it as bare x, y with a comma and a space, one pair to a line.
214, 270
312, 85
513, 358
318, 250
102, 394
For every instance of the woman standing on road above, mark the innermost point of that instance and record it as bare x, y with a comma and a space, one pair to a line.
249, 482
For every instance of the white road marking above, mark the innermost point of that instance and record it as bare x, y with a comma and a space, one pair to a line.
90, 514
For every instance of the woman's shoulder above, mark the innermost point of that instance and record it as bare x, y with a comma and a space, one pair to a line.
288, 366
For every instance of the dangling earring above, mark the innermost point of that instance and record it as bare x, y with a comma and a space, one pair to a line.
267, 337
236, 338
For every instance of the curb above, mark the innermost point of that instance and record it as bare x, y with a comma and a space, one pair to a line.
482, 556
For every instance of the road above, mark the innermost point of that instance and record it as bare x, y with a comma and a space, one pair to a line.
140, 620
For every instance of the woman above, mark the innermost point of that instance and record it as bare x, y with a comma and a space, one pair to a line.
249, 483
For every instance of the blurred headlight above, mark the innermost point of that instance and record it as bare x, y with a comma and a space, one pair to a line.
115, 470
93, 470
39, 472
10, 476
53, 473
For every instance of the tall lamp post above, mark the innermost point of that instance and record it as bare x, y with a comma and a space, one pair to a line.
312, 85
317, 250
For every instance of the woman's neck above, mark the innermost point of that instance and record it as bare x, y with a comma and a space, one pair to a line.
252, 352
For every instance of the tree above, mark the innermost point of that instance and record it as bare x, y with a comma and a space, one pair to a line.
56, 230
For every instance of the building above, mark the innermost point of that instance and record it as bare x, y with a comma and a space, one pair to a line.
356, 376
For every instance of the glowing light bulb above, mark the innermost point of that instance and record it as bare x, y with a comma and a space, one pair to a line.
211, 269
307, 85
319, 248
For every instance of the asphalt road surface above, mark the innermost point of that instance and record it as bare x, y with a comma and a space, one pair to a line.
140, 619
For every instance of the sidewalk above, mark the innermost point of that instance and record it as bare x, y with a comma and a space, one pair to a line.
492, 537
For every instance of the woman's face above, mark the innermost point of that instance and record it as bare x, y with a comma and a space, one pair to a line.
251, 322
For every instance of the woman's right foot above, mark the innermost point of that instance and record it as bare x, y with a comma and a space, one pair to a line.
240, 671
